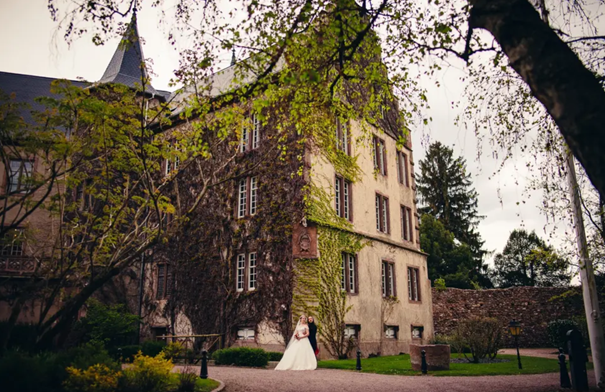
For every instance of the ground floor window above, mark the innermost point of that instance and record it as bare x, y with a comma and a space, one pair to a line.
245, 333
158, 332
391, 331
417, 331
352, 331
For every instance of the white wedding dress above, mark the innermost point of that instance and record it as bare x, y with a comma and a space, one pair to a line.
299, 354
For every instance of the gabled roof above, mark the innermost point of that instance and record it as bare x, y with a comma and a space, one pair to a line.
28, 87
127, 66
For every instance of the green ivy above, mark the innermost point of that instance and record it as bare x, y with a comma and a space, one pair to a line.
318, 287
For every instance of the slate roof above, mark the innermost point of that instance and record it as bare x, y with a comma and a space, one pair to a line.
127, 65
28, 87
221, 82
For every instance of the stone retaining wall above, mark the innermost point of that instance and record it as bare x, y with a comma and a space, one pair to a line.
533, 307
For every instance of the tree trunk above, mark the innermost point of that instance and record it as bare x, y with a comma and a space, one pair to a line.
12, 320
570, 93
69, 310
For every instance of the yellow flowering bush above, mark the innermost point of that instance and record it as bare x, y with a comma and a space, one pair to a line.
173, 350
147, 374
97, 378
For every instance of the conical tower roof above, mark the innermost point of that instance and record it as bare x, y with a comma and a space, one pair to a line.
127, 66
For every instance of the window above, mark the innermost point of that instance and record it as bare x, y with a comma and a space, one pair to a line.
19, 174
172, 164
413, 284
245, 333
255, 131
349, 273
407, 224
164, 282
402, 169
343, 142
380, 156
343, 198
252, 271
158, 332
247, 196
246, 271
391, 331
250, 137
382, 214
12, 243
241, 265
388, 279
352, 331
253, 195
417, 332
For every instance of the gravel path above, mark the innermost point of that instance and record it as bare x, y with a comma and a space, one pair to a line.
253, 380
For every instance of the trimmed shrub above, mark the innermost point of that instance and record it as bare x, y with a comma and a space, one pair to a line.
481, 337
275, 356
241, 356
147, 374
97, 378
557, 332
152, 348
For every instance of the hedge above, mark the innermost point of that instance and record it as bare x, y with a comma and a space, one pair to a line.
241, 356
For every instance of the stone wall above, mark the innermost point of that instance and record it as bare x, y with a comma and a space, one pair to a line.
533, 307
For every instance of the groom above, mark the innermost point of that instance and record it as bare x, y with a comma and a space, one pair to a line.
313, 335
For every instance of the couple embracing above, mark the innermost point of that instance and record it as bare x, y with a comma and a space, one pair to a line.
302, 349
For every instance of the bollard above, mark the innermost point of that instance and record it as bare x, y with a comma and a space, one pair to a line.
577, 360
563, 375
204, 368
423, 367
120, 354
358, 367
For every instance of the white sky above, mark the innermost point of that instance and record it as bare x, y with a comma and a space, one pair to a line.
30, 47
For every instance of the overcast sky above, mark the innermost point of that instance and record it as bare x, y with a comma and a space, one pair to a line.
29, 46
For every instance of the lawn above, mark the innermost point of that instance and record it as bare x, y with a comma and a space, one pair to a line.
206, 385
401, 365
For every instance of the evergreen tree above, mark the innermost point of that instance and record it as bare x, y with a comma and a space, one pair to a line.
446, 193
528, 261
447, 259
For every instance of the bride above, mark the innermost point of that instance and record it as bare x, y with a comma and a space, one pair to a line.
299, 354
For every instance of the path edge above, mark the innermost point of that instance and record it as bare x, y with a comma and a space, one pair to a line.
220, 387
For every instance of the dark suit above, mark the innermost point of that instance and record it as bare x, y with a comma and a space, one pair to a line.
313, 337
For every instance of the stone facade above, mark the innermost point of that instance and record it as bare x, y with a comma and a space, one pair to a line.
533, 307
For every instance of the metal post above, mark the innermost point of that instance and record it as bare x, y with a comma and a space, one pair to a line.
424, 366
577, 360
518, 355
204, 368
120, 359
589, 287
358, 367
563, 375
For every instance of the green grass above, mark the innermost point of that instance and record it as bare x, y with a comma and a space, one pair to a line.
201, 385
206, 385
401, 365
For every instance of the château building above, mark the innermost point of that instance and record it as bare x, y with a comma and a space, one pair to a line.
273, 240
